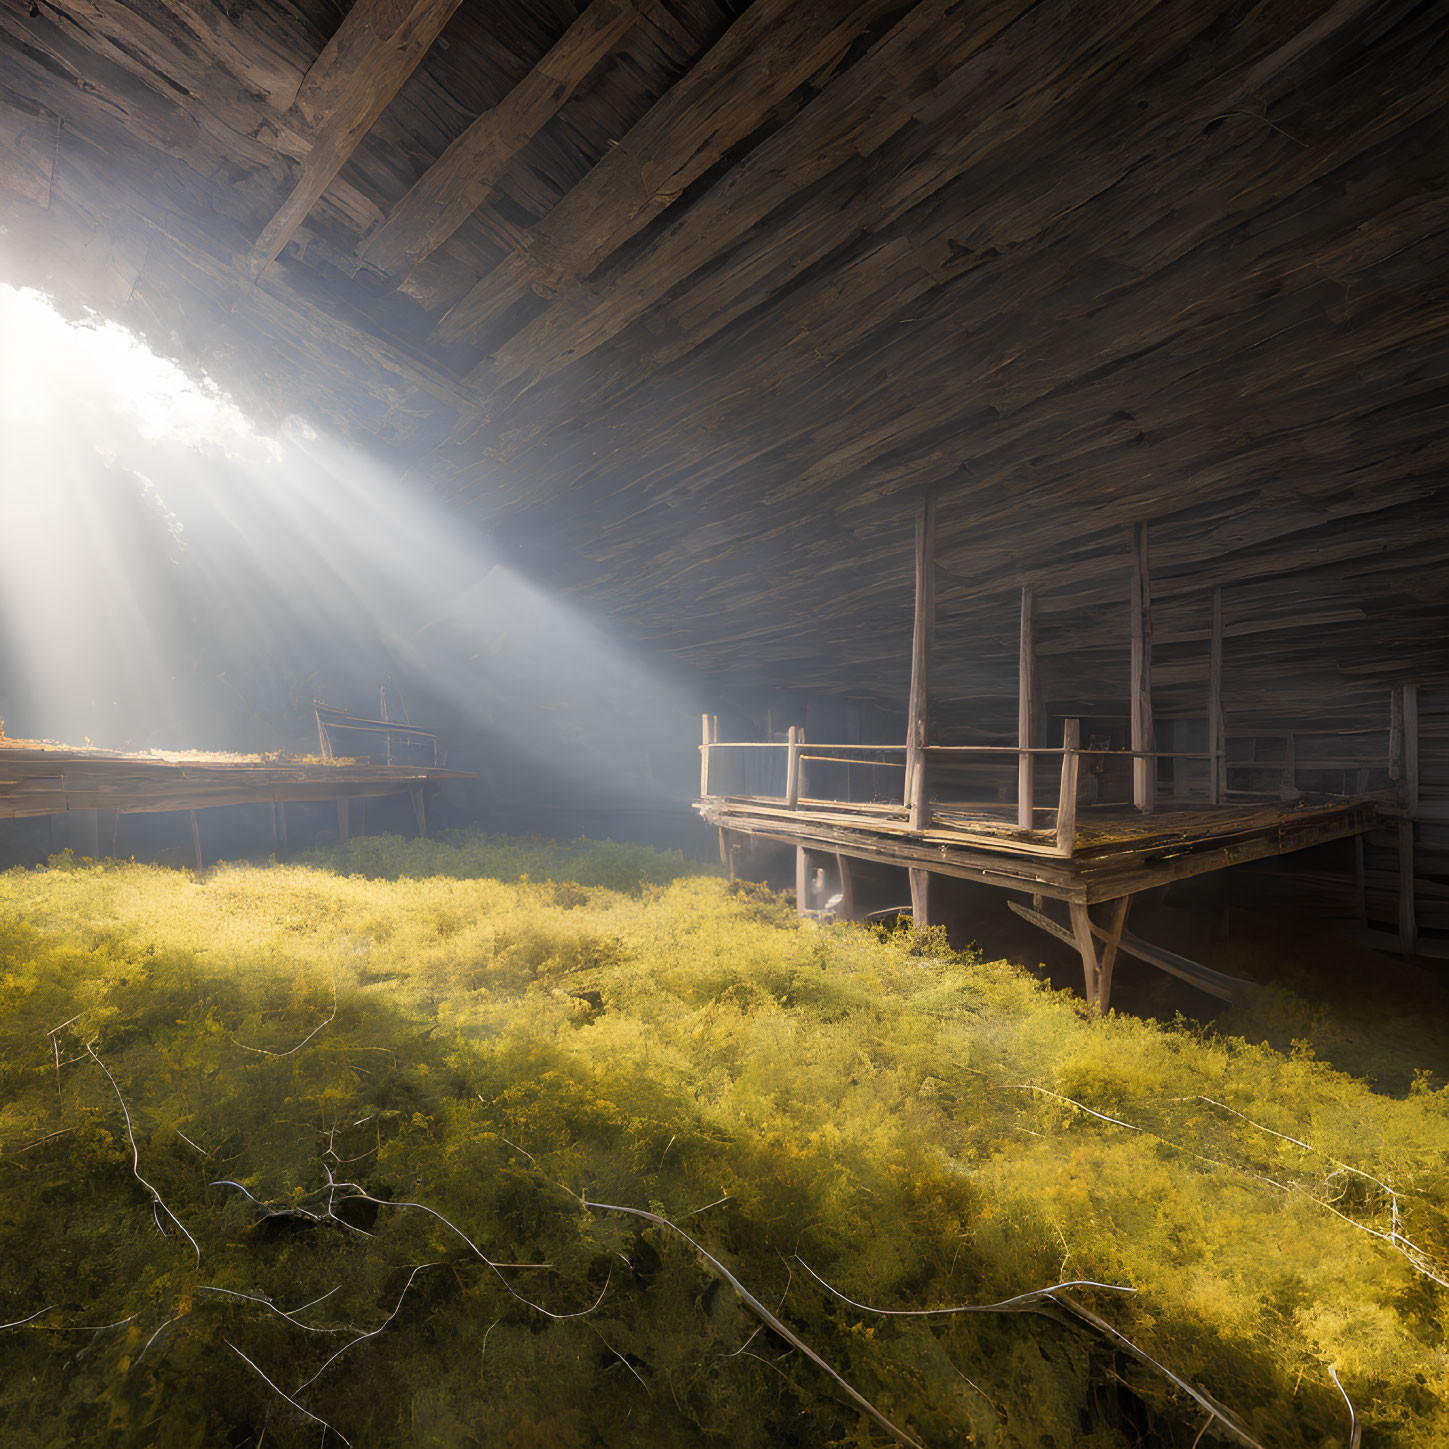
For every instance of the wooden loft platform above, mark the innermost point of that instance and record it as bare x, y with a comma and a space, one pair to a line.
1118, 851
991, 814
40, 778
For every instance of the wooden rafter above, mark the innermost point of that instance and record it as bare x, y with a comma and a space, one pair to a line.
376, 48
852, 116
773, 48
454, 186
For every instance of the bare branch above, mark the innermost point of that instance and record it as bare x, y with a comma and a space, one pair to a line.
397, 1307
1022, 1302
263, 1052
157, 1202
21, 1322
1355, 1429
270, 1384
900, 1435
280, 1312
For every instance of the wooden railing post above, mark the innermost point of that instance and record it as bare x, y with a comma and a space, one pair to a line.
704, 744
1026, 711
792, 767
1217, 732
1144, 768
922, 632
1067, 797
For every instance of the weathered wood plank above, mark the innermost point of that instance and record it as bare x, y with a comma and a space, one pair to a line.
771, 49
376, 48
455, 185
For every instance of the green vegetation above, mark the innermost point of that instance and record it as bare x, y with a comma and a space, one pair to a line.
493, 1031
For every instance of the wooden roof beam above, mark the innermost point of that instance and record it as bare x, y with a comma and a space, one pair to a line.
773, 48
457, 183
851, 116
376, 48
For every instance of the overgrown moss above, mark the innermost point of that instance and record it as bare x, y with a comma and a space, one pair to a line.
888, 1112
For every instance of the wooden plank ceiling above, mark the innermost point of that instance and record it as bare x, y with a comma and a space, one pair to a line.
686, 300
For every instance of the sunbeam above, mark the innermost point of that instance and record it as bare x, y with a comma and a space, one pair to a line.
180, 578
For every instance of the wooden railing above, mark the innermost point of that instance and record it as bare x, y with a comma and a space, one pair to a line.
914, 805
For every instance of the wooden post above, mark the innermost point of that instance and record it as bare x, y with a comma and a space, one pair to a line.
1396, 733
1410, 697
1109, 953
796, 739
1408, 907
1144, 771
922, 634
920, 898
704, 744
1067, 795
1082, 930
1217, 731
342, 818
845, 911
419, 811
1026, 703
196, 842
1290, 768
802, 875
382, 712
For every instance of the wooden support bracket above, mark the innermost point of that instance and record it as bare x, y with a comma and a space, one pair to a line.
1098, 970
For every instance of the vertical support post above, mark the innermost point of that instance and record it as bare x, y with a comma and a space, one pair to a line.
1410, 696
420, 813
796, 739
922, 633
382, 712
1082, 930
845, 911
1408, 907
704, 744
920, 899
1290, 767
1067, 795
196, 842
342, 818
1026, 703
802, 880
1217, 731
324, 742
1144, 771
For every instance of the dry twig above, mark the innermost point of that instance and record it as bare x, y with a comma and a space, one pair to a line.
158, 1204
900, 1435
